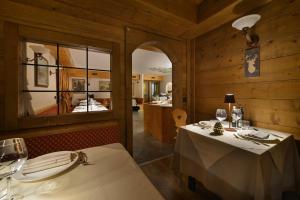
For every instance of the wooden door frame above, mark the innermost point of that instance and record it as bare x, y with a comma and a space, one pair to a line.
176, 50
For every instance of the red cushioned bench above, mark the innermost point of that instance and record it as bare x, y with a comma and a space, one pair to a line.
69, 139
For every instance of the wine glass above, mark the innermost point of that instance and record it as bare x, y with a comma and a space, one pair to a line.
13, 154
221, 114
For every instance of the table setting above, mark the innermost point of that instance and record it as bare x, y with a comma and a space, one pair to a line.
236, 160
91, 173
93, 105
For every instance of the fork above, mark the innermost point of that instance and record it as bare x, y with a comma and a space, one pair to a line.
246, 139
83, 159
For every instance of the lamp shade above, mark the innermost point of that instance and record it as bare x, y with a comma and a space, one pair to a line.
229, 98
246, 21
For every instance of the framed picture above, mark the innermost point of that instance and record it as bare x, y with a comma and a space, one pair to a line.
252, 62
41, 71
104, 86
78, 85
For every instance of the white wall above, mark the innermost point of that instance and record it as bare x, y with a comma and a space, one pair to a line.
167, 78
97, 60
40, 100
137, 87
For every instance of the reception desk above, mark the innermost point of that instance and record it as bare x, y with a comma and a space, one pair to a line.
158, 122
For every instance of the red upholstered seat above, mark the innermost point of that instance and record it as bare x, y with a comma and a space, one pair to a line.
71, 141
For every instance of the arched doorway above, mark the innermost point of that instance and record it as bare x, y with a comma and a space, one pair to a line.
175, 50
153, 127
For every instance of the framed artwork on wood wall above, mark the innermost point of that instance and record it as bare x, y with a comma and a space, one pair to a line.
41, 71
252, 62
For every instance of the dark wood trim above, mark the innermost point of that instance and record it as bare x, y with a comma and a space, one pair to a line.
11, 81
13, 35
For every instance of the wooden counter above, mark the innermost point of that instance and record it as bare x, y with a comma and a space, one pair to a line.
159, 123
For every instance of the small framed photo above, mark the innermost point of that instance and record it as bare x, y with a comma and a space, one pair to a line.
252, 62
104, 86
41, 72
78, 85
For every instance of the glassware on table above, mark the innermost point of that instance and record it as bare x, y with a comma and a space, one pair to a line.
221, 114
13, 154
244, 124
236, 116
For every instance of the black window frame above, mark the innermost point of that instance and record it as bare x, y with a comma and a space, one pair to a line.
57, 68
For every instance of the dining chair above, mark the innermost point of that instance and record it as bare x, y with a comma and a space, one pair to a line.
179, 116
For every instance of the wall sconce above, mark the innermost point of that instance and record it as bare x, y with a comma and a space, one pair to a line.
38, 52
245, 24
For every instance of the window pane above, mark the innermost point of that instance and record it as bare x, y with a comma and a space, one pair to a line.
99, 81
39, 78
45, 53
72, 57
73, 80
99, 60
38, 104
99, 101
72, 102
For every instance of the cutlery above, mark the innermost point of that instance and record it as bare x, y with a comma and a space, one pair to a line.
246, 139
255, 141
83, 159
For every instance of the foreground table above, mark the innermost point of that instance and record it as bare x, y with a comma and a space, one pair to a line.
235, 168
113, 175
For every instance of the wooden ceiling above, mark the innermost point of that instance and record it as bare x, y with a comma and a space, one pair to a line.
184, 19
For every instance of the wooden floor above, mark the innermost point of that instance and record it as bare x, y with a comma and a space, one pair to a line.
168, 183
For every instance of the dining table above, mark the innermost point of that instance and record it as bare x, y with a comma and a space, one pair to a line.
110, 174
236, 167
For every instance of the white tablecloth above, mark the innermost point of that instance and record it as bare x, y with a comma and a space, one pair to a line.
113, 176
238, 169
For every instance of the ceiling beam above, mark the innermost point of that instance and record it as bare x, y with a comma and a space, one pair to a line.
177, 8
218, 12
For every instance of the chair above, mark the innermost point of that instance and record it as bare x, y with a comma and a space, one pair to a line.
179, 116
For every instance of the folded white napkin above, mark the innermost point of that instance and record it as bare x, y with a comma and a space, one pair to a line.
47, 162
255, 134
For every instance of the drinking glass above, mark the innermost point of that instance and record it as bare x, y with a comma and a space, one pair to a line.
244, 124
13, 154
221, 114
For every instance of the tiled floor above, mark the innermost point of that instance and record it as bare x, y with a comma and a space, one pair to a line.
155, 159
145, 147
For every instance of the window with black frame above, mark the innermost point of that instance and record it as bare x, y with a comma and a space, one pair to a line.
60, 79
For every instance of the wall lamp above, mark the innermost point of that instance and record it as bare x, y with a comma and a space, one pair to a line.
245, 25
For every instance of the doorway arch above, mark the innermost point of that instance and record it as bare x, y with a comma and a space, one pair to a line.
175, 51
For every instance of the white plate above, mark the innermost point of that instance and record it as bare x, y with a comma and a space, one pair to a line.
37, 176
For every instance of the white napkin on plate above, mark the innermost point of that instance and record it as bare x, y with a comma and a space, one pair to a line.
47, 162
255, 134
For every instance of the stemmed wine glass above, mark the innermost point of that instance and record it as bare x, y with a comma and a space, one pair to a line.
13, 154
221, 114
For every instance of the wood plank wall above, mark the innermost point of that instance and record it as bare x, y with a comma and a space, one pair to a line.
50, 17
271, 100
1, 73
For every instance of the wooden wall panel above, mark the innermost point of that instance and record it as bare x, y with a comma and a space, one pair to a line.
62, 27
1, 74
271, 100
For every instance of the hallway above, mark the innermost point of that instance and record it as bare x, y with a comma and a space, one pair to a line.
145, 147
